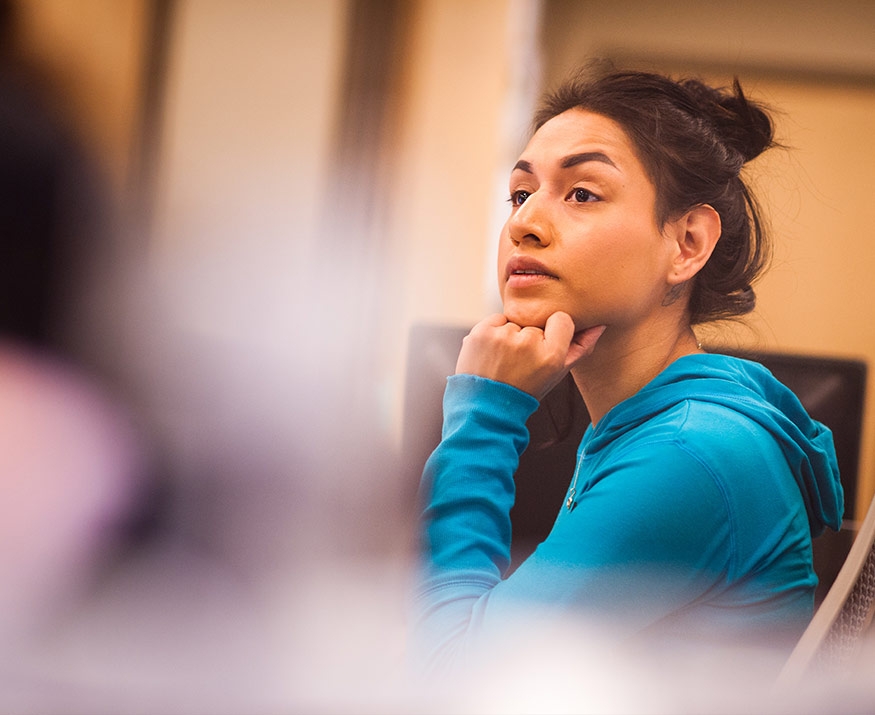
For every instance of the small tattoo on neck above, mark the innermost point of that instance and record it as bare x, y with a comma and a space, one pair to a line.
673, 295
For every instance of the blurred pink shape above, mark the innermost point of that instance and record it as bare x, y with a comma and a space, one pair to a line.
67, 458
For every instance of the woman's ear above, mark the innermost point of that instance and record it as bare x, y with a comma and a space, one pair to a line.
696, 233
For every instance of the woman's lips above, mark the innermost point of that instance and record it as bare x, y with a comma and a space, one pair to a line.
522, 271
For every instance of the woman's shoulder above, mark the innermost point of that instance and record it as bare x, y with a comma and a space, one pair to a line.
699, 441
714, 433
704, 397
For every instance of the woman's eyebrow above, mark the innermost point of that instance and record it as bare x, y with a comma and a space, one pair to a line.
570, 161
575, 159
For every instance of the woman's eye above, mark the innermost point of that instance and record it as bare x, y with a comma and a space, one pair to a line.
583, 196
518, 198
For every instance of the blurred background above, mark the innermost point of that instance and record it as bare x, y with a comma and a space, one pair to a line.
225, 219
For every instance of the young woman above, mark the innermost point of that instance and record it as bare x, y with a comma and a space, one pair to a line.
701, 480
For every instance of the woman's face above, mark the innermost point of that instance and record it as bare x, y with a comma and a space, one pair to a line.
582, 235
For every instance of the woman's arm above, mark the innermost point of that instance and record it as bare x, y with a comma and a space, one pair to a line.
468, 491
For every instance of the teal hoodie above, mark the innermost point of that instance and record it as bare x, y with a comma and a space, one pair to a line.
749, 389
689, 516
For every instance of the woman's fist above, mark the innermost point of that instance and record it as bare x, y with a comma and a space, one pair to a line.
528, 358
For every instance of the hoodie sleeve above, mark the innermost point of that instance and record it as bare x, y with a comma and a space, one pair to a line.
468, 491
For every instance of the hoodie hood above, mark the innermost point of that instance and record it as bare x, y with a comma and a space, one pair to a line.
750, 389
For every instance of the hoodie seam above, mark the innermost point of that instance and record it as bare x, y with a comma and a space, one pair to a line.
732, 562
677, 440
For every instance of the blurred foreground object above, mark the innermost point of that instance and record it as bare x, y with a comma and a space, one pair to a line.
66, 456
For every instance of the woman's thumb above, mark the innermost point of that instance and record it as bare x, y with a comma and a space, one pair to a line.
582, 344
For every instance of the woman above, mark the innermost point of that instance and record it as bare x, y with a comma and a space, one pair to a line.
701, 481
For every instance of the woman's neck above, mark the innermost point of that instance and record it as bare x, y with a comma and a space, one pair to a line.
621, 365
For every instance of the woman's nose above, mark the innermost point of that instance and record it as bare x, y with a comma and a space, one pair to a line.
530, 222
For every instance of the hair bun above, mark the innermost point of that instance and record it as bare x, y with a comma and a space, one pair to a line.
743, 125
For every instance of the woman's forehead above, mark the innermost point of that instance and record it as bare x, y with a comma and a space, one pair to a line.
575, 133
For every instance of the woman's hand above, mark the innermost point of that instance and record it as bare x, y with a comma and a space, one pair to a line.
530, 359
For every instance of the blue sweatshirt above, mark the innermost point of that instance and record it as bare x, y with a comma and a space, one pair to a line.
690, 514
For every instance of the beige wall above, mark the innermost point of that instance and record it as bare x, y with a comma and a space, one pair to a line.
459, 81
461, 127
248, 122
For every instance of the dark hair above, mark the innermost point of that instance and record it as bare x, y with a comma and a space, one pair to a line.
692, 140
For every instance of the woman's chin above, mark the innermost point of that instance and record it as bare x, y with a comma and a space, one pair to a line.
526, 318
